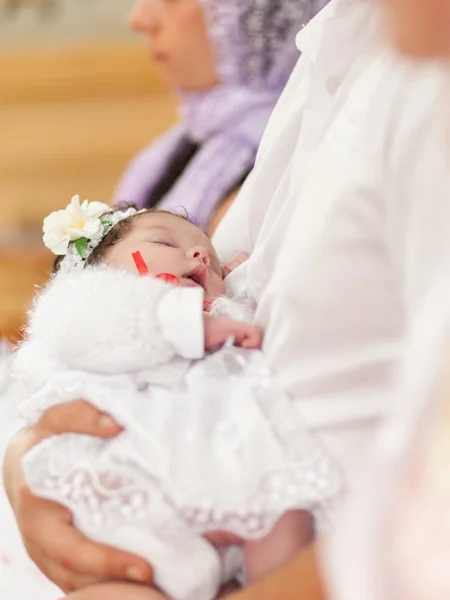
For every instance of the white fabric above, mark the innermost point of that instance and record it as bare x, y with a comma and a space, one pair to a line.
223, 453
313, 235
20, 579
337, 266
180, 315
393, 539
219, 449
5, 364
106, 321
330, 44
330, 350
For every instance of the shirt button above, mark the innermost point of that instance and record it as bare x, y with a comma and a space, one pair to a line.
333, 84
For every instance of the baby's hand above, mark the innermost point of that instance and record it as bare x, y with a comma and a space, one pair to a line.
219, 329
234, 263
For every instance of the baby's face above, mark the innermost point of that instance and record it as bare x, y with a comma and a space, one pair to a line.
171, 244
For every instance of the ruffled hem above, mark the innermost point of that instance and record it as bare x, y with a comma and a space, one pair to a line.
226, 452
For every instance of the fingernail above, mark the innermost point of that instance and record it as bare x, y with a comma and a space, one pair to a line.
106, 422
135, 574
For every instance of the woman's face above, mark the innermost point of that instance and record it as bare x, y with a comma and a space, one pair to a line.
178, 41
421, 28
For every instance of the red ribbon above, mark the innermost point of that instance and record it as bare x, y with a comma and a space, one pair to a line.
169, 278
140, 264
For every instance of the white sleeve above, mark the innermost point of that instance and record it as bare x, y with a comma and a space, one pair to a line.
240, 226
180, 315
368, 539
233, 235
418, 186
337, 369
108, 321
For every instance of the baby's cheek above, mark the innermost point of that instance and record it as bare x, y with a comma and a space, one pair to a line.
119, 260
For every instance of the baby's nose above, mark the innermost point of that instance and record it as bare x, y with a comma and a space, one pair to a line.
200, 253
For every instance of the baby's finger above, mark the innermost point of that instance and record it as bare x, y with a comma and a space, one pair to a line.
77, 417
251, 338
226, 270
233, 264
240, 258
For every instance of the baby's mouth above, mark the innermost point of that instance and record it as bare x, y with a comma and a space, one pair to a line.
198, 276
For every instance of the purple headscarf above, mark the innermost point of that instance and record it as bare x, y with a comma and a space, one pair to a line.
254, 44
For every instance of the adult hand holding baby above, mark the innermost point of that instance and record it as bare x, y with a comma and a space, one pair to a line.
62, 553
75, 564
118, 591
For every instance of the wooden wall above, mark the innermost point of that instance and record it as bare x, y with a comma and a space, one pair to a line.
69, 122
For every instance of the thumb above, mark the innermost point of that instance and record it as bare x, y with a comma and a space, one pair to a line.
77, 416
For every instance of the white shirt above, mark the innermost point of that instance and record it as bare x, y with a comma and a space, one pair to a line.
330, 267
388, 545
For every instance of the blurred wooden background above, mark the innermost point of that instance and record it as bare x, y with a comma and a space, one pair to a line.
70, 119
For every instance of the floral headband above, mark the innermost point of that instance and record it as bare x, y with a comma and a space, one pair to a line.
77, 230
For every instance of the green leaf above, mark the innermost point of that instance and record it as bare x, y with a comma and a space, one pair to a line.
80, 245
107, 223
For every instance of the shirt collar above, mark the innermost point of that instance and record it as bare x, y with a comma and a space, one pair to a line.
309, 38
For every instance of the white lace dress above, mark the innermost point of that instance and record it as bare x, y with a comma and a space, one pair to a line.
209, 442
20, 579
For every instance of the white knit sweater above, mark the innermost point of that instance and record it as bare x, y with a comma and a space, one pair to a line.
110, 322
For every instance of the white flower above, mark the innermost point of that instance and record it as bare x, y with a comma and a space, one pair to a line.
76, 221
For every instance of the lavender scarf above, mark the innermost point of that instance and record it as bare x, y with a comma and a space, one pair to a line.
254, 43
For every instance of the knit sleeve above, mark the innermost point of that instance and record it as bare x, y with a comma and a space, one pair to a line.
108, 321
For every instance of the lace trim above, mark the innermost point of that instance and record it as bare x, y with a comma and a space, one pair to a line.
101, 496
107, 494
108, 482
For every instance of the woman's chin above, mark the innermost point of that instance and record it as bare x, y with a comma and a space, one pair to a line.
182, 81
422, 47
417, 38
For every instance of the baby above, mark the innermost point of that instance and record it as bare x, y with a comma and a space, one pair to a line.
209, 443
174, 249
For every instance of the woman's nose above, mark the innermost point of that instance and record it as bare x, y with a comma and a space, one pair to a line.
200, 253
145, 16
